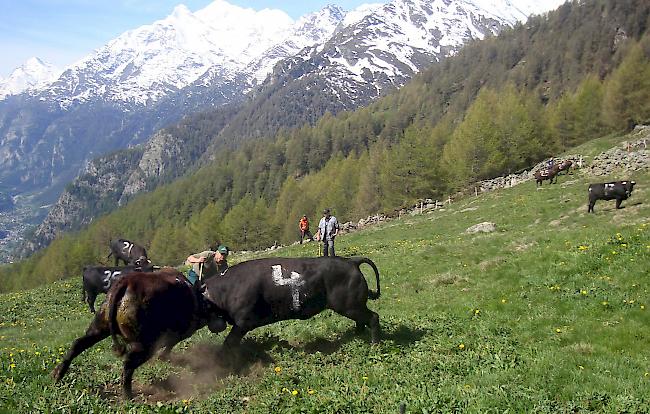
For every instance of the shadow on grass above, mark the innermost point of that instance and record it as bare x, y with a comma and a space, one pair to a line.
401, 335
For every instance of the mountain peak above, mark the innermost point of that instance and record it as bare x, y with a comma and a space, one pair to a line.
31, 74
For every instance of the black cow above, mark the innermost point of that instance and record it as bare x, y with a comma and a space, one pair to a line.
98, 279
145, 312
619, 190
260, 292
129, 252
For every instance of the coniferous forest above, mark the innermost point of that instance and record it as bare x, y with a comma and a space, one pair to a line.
499, 105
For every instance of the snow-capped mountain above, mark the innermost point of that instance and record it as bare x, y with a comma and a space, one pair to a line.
391, 43
375, 49
214, 44
34, 73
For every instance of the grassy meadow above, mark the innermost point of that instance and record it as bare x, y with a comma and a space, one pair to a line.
549, 313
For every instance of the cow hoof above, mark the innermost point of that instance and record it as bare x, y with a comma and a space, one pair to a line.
57, 373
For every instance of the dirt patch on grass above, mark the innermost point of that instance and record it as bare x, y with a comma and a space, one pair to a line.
198, 373
582, 348
523, 245
447, 279
494, 261
557, 222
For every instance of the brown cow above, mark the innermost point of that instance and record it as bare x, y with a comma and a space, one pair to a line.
565, 166
546, 174
144, 312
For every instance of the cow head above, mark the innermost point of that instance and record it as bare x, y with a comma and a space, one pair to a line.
142, 261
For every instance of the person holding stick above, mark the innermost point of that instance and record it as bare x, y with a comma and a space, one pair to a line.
207, 264
328, 228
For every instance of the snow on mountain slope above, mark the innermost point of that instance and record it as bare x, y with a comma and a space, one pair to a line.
145, 64
32, 74
390, 43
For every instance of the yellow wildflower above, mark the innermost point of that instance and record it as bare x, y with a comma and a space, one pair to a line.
278, 370
461, 346
294, 392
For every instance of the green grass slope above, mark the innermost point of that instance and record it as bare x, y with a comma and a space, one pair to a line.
549, 313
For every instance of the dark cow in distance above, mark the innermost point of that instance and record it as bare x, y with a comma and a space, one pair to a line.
260, 292
129, 252
618, 190
98, 279
145, 312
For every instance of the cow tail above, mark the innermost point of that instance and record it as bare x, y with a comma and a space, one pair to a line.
359, 261
113, 305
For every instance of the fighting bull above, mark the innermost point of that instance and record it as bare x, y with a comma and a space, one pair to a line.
618, 190
260, 292
98, 279
129, 252
143, 313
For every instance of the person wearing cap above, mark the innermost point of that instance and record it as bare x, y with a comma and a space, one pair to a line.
304, 229
328, 228
207, 263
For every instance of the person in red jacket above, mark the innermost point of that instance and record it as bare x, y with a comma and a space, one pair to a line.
304, 229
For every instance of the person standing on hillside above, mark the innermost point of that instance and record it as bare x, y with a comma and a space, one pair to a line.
207, 264
304, 229
550, 163
328, 228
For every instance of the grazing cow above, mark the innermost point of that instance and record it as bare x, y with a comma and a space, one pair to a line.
98, 279
260, 292
619, 190
565, 166
546, 174
144, 312
129, 252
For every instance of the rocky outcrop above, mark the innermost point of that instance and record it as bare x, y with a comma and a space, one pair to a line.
485, 227
94, 192
630, 156
160, 155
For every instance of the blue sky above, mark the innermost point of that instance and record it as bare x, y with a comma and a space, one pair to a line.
63, 31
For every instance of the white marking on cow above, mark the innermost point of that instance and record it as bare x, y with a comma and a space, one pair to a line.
127, 248
294, 282
110, 276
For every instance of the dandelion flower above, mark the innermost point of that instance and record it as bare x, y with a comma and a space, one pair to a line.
503, 301
278, 370
558, 330
583, 292
294, 392
461, 346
